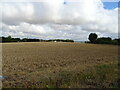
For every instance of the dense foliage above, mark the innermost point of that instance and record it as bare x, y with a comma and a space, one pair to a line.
10, 39
92, 37
102, 40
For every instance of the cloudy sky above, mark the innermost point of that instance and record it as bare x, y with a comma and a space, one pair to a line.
59, 19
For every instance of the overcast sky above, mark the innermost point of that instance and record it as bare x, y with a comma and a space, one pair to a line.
59, 19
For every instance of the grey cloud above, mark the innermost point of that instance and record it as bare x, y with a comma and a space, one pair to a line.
73, 20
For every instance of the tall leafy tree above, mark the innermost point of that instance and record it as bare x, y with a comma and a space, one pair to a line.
92, 37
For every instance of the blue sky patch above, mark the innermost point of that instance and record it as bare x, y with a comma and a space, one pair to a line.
110, 5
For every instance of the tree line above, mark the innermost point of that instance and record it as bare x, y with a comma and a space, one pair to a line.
93, 38
10, 39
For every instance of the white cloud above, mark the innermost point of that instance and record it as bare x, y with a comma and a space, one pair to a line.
110, 0
54, 19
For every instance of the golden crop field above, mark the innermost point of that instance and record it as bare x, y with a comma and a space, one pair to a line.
59, 65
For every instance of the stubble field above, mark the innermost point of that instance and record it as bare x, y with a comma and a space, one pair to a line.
59, 65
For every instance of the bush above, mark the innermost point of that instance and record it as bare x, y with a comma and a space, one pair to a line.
107, 40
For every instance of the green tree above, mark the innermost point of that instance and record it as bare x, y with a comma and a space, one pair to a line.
92, 37
9, 37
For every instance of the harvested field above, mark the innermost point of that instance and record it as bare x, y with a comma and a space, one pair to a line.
56, 65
